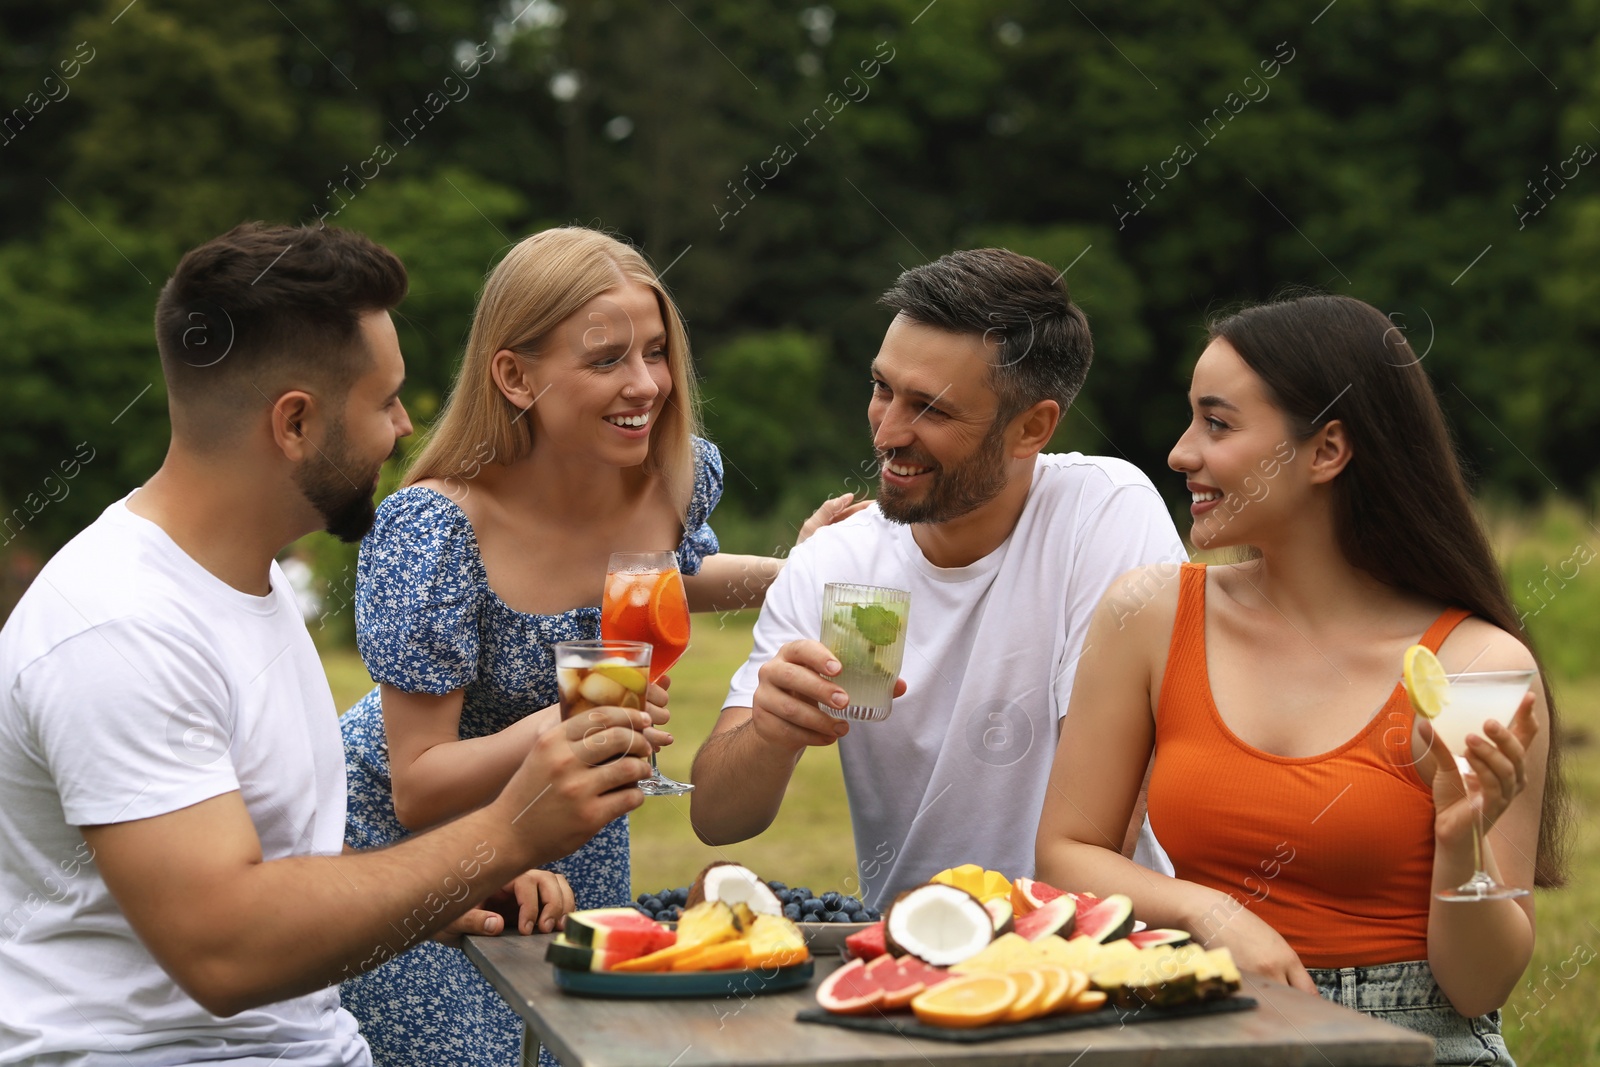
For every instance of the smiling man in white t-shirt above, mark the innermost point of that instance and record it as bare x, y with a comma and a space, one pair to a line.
172, 791
1005, 552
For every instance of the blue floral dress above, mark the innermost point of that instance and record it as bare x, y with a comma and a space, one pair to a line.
427, 622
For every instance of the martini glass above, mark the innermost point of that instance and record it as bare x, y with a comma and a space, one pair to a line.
1476, 699
644, 601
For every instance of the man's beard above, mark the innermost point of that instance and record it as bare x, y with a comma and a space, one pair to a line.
335, 484
954, 492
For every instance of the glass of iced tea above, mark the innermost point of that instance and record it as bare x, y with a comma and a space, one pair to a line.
601, 674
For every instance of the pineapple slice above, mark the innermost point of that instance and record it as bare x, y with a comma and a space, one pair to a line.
774, 941
1008, 952
707, 923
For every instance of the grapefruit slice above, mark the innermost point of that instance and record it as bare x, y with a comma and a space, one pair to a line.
1027, 895
850, 991
900, 979
969, 1001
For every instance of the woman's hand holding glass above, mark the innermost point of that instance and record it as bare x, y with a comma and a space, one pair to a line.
1499, 774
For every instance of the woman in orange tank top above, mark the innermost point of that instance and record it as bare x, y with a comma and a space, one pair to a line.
1309, 816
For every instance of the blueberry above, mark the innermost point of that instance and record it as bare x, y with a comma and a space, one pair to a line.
801, 891
642, 910
671, 914
831, 900
650, 903
784, 896
853, 904
811, 904
776, 887
791, 912
837, 917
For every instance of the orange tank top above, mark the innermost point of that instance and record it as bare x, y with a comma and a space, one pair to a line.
1335, 851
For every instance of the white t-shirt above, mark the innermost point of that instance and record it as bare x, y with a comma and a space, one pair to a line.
133, 683
958, 772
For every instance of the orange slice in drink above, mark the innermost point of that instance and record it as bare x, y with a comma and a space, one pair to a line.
965, 1002
669, 610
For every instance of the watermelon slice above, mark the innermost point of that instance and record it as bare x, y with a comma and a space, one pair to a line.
1001, 912
1054, 918
867, 944
570, 957
1151, 938
1106, 920
622, 933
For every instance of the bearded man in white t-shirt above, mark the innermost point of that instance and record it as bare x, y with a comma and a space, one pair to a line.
172, 791
1005, 551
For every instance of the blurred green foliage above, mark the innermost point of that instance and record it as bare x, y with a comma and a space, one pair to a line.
786, 160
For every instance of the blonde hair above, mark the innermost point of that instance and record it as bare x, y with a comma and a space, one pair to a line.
545, 279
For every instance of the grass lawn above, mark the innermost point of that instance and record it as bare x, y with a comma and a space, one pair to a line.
1550, 1020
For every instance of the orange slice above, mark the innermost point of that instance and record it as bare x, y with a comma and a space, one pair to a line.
1058, 986
669, 610
969, 1001
1030, 996
1089, 1000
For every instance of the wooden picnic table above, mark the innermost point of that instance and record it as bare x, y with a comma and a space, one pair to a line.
1288, 1028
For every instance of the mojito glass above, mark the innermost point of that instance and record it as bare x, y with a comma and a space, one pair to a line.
864, 626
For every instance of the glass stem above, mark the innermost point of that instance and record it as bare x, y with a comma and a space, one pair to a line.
1479, 871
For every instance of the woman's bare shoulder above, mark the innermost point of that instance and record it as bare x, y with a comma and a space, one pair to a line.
1477, 644
1144, 601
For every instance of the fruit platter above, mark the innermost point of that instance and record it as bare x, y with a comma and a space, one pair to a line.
730, 935
973, 955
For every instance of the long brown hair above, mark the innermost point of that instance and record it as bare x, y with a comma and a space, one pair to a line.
541, 282
1401, 508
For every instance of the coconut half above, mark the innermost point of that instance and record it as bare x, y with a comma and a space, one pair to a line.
732, 884
938, 924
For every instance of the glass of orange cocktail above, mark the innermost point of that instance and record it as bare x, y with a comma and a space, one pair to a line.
644, 601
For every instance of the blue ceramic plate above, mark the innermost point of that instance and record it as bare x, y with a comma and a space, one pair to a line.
685, 984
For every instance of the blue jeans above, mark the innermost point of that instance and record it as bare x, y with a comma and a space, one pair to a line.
1405, 994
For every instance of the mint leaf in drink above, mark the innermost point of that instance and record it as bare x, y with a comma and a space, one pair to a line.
878, 624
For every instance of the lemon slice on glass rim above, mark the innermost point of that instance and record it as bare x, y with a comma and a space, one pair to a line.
1426, 683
